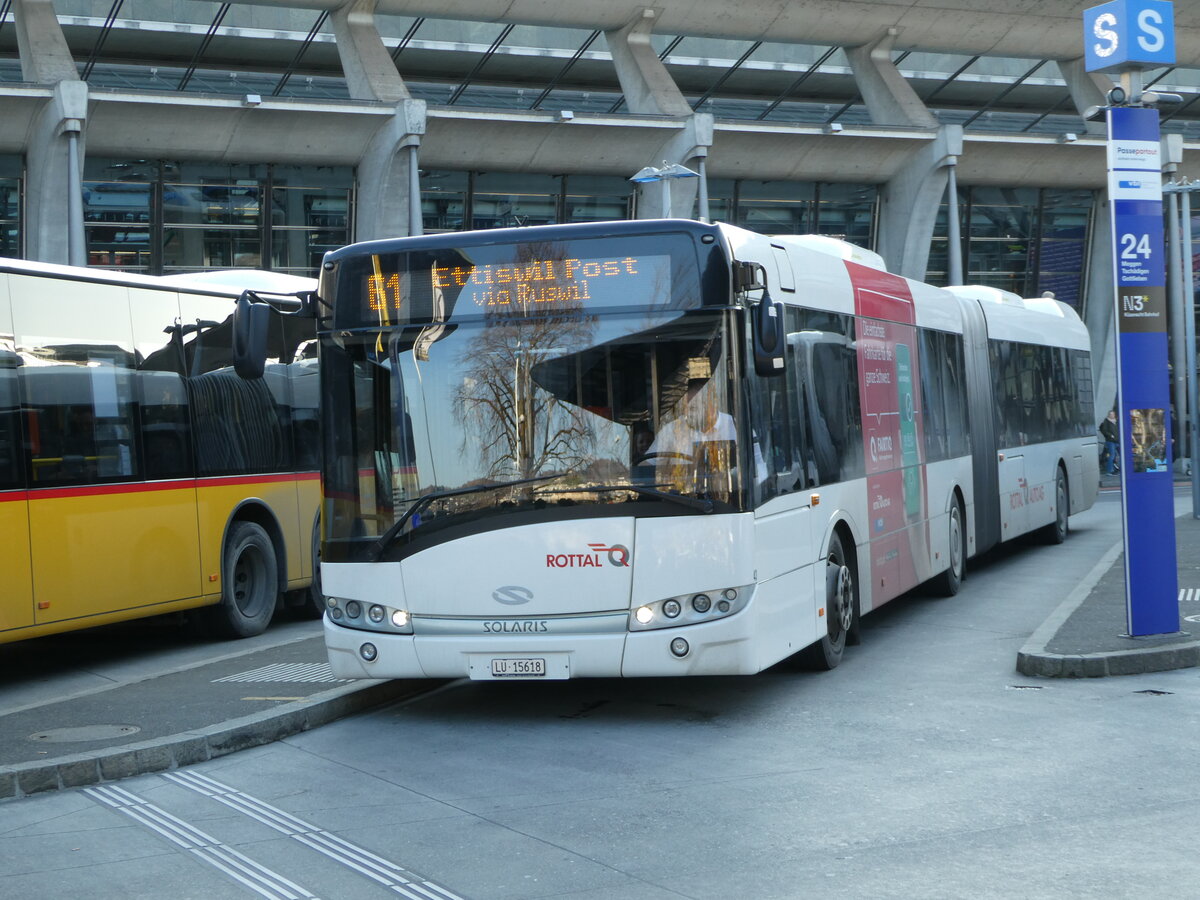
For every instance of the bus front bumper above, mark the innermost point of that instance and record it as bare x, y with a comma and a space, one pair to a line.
721, 647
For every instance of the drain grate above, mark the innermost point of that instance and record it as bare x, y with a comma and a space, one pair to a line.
81, 733
294, 672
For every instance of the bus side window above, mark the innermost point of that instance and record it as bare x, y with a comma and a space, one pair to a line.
779, 423
828, 382
958, 432
11, 461
166, 443
933, 395
86, 414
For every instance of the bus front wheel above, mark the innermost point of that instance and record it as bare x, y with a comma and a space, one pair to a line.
841, 611
249, 582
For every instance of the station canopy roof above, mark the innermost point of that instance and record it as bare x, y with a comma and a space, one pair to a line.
989, 65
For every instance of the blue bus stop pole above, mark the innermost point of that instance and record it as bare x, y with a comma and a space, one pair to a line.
1127, 36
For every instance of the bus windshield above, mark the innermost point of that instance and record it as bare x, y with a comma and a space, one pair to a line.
440, 431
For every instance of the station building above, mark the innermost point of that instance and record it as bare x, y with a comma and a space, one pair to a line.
167, 136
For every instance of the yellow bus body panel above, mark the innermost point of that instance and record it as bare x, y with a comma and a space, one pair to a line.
16, 579
101, 551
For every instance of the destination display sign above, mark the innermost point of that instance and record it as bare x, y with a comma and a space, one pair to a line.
526, 284
518, 280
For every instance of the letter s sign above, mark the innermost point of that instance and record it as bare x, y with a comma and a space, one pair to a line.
1129, 34
1108, 41
1150, 37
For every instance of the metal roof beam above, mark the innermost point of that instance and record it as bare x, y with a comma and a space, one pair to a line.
725, 75
305, 44
199, 54
821, 60
557, 79
1004, 93
488, 54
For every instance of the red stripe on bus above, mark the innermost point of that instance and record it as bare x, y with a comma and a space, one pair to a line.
12, 496
100, 490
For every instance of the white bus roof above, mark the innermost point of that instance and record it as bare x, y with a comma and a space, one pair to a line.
1031, 320
229, 282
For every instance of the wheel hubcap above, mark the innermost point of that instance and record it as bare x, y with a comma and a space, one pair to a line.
843, 604
956, 550
246, 576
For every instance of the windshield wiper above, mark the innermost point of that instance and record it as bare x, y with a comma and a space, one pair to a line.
385, 539
705, 506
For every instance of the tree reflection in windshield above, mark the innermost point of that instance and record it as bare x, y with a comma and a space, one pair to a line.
514, 429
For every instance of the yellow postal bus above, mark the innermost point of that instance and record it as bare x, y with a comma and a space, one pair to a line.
138, 474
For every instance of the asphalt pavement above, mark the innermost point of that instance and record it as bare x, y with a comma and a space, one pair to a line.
66, 721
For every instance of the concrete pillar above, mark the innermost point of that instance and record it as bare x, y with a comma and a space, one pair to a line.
676, 197
888, 97
648, 88
366, 63
1087, 89
389, 196
45, 56
909, 204
1098, 307
54, 189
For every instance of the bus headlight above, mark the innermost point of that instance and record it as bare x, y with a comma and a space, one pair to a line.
379, 617
690, 609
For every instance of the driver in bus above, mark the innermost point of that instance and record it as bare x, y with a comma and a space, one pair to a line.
696, 448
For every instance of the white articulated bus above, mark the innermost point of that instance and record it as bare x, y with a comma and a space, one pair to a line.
667, 448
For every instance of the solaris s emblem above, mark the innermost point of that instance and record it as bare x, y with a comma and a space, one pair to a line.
512, 595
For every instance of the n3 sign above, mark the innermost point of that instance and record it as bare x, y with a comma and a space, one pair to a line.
1129, 34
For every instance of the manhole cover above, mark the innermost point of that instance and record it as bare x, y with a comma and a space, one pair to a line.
84, 733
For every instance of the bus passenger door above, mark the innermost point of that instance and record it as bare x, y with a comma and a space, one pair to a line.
16, 601
1014, 518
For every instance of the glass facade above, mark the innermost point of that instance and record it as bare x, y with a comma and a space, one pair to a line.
502, 200
164, 217
846, 211
10, 206
1024, 240
450, 200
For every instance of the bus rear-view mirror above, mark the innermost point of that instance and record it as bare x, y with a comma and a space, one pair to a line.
250, 324
768, 336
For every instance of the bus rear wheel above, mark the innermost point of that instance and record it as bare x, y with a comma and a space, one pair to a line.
1056, 531
948, 582
841, 612
249, 582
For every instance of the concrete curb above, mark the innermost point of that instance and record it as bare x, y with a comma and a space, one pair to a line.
1035, 660
190, 747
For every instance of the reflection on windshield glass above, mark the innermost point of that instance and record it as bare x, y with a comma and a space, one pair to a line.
587, 403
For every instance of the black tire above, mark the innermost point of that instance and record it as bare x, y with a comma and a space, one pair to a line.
841, 611
1056, 531
947, 583
249, 582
